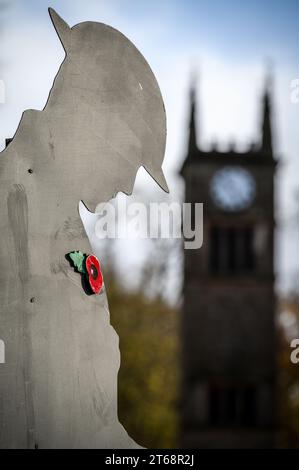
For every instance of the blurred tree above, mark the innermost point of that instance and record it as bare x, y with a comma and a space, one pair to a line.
148, 376
161, 276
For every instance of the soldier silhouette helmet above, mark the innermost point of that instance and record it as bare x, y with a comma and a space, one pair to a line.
110, 108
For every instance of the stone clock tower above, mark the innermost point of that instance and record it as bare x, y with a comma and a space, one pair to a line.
228, 331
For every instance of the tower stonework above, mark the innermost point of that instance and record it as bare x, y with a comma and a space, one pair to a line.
228, 317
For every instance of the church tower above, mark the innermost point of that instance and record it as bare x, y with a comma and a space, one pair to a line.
227, 324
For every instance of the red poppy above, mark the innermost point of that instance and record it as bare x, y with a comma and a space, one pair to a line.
95, 276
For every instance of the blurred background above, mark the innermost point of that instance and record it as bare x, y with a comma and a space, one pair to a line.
226, 70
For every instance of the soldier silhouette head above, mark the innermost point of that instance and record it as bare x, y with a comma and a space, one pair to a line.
106, 111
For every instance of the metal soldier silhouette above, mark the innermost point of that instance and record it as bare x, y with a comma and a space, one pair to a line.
104, 118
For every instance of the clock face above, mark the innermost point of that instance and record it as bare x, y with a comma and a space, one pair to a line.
232, 188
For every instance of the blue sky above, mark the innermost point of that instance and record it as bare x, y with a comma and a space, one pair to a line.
238, 29
226, 42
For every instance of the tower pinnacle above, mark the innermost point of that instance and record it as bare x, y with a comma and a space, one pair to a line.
266, 140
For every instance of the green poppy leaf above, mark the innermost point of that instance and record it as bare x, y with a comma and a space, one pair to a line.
78, 258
